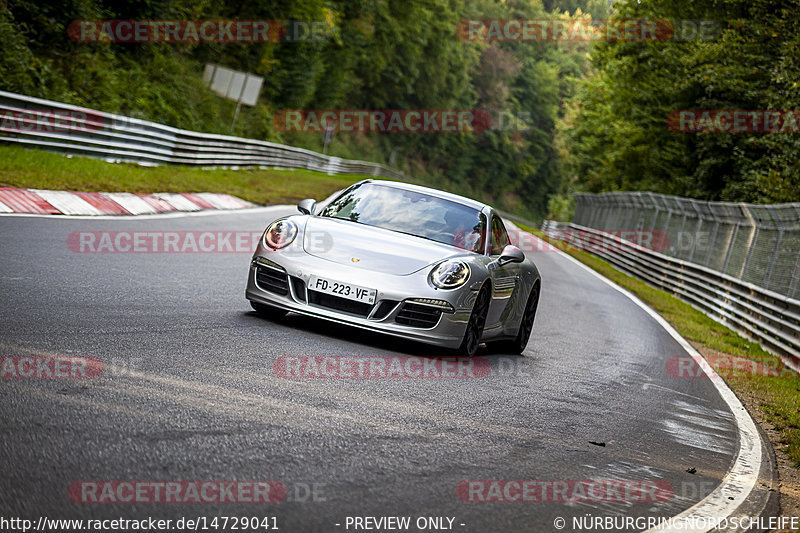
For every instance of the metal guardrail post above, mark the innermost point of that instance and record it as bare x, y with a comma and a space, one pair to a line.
592, 208
604, 213
775, 249
657, 210
730, 246
683, 225
794, 285
637, 213
697, 230
669, 219
712, 241
589, 208
753, 236
580, 209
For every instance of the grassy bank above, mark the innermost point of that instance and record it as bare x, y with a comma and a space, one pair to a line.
777, 397
21, 167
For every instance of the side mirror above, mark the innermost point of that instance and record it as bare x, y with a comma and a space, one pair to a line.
307, 206
510, 254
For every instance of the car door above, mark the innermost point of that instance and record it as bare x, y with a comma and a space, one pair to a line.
505, 279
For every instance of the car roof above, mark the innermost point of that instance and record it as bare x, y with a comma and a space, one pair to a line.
432, 192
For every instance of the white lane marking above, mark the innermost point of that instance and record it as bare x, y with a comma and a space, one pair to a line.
741, 479
161, 216
67, 203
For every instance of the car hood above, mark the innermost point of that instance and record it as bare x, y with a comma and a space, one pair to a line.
371, 248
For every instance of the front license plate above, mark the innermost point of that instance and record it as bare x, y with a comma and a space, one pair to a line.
343, 290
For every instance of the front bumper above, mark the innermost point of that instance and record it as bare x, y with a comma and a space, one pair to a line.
281, 280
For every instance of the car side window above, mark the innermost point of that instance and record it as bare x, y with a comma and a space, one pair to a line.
499, 236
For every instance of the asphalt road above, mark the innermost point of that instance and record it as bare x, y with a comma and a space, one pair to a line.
188, 393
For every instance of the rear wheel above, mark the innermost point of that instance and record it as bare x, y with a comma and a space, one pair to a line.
477, 320
267, 311
517, 345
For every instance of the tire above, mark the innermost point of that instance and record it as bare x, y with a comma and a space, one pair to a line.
517, 345
267, 311
477, 320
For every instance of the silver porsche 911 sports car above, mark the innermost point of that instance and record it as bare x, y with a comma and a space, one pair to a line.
403, 260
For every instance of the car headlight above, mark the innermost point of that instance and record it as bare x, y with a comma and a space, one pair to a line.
450, 274
280, 234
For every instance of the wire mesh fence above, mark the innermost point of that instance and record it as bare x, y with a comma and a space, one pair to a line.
759, 244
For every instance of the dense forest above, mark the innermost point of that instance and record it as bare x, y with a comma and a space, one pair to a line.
616, 133
567, 114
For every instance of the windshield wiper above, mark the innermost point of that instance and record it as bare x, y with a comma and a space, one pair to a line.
347, 219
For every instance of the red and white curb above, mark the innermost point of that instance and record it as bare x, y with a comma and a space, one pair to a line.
40, 202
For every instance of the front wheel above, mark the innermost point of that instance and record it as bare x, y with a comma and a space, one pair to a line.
477, 320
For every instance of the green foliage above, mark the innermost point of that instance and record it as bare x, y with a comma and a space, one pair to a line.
383, 54
561, 207
619, 139
566, 116
20, 69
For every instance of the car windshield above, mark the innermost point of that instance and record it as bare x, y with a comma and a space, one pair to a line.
411, 212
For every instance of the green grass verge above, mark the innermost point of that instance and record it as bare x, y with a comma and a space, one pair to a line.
777, 396
22, 167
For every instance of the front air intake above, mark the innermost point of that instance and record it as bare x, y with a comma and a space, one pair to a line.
418, 316
272, 280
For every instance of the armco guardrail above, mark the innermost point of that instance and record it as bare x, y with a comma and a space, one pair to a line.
71, 129
771, 319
